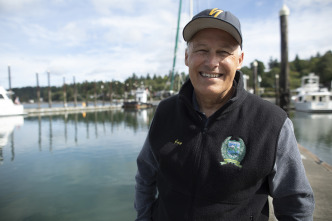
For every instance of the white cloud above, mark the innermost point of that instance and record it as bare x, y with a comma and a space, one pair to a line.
104, 40
297, 5
17, 5
72, 33
261, 40
309, 32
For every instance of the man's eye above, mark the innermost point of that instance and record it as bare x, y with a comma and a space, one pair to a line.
202, 50
224, 53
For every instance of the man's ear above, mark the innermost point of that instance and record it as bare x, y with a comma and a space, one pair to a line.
186, 57
240, 61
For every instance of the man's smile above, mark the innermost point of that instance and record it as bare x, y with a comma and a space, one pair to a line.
206, 75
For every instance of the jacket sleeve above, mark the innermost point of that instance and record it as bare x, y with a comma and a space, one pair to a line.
289, 187
145, 189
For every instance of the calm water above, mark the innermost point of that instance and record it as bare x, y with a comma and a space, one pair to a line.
82, 167
314, 132
71, 167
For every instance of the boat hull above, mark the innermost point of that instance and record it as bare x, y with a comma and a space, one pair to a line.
314, 107
10, 109
136, 105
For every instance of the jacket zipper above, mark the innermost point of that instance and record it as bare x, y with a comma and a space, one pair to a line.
196, 166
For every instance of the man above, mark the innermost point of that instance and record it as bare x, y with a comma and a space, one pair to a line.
214, 151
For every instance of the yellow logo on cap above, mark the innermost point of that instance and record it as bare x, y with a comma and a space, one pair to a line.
216, 11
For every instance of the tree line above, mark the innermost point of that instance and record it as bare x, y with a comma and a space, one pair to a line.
321, 65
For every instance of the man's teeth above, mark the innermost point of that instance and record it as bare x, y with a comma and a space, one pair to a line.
210, 75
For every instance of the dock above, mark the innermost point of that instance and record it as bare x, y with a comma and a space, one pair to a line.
62, 110
319, 174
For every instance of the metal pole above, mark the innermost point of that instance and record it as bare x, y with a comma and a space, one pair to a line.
284, 75
38, 91
49, 90
9, 78
277, 90
64, 93
10, 82
176, 45
255, 64
95, 94
75, 93
86, 94
111, 93
102, 93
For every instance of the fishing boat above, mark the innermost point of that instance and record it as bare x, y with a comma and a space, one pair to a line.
7, 106
140, 102
310, 97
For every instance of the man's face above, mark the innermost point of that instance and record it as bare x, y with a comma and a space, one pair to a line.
213, 56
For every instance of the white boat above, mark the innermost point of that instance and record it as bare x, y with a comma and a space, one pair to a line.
141, 100
311, 97
7, 106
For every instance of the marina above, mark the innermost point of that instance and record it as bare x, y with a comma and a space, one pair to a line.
81, 166
311, 97
69, 151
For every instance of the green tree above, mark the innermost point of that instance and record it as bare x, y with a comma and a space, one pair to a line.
323, 69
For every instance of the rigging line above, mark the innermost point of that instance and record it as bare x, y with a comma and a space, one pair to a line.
176, 45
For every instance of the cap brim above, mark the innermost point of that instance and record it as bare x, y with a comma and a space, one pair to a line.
202, 23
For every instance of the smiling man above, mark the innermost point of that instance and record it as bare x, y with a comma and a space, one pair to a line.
214, 151
213, 56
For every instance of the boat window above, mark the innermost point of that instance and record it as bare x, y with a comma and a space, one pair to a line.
300, 99
313, 98
320, 99
1, 97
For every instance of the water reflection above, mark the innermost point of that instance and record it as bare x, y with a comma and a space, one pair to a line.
72, 166
313, 131
94, 123
81, 166
8, 124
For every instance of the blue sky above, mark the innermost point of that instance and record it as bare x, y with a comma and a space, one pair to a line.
112, 39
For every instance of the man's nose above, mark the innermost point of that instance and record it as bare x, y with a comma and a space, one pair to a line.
212, 60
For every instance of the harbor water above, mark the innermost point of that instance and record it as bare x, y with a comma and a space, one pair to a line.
81, 166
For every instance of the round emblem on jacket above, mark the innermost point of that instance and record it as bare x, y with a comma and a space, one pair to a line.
233, 151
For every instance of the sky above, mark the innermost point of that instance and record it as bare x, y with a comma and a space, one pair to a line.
104, 40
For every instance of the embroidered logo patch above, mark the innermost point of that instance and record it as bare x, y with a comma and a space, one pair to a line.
177, 142
216, 12
233, 151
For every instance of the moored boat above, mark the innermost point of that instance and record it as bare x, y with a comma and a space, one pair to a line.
141, 97
7, 106
311, 97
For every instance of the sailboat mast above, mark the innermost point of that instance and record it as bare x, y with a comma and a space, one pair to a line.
176, 45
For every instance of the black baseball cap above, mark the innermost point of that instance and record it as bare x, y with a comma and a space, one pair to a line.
214, 18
